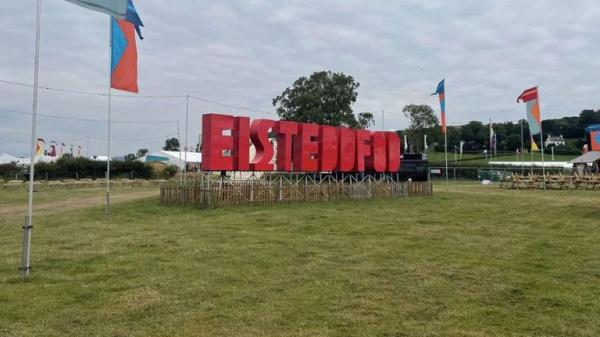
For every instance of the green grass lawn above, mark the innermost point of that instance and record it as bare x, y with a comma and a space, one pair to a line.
474, 261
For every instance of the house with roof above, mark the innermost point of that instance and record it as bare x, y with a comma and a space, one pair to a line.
555, 141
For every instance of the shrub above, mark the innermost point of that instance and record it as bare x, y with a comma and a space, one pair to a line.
72, 168
170, 171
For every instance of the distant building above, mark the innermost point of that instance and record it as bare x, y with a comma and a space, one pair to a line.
555, 141
175, 158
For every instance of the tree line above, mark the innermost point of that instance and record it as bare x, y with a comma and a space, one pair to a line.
68, 167
476, 134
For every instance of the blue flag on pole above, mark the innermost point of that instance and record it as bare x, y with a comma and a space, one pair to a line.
133, 17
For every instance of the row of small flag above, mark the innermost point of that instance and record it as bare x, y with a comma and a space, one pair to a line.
40, 149
529, 97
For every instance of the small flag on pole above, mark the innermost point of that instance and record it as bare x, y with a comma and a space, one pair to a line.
39, 147
52, 152
534, 117
534, 147
425, 146
115, 8
440, 91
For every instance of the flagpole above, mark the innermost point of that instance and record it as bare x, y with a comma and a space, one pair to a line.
25, 261
108, 210
531, 153
187, 112
446, 152
522, 149
542, 141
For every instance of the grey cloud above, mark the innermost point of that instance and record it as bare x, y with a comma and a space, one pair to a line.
246, 52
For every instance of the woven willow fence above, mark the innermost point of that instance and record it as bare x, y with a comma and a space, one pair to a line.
226, 193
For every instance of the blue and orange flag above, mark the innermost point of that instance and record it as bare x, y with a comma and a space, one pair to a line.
534, 116
594, 137
124, 72
440, 91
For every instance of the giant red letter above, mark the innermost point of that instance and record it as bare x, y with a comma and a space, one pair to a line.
259, 134
284, 131
346, 149
241, 138
328, 148
215, 144
393, 152
306, 148
377, 162
363, 148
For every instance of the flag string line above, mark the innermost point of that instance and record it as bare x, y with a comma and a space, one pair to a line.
101, 139
100, 94
88, 119
193, 97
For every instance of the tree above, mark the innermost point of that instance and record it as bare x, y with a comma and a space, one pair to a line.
130, 157
171, 144
365, 119
323, 98
513, 142
587, 117
420, 117
141, 153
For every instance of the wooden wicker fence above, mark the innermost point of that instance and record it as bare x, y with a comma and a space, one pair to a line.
216, 194
553, 182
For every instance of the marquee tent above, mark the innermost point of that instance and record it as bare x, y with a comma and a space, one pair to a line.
6, 158
173, 158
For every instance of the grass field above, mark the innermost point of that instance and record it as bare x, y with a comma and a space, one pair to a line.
474, 261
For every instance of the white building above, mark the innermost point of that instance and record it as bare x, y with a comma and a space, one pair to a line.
555, 141
176, 158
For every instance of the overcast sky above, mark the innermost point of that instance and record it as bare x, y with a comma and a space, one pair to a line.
246, 52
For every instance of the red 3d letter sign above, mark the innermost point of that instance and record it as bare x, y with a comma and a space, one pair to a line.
301, 147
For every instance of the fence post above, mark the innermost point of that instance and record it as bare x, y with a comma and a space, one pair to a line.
280, 187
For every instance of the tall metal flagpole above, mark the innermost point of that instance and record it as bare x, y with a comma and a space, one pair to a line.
25, 262
180, 166
187, 112
108, 210
542, 141
446, 151
522, 149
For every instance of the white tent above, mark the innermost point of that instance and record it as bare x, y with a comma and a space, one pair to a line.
6, 158
173, 158
548, 164
38, 159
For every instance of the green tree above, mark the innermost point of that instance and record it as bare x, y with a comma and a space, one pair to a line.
588, 117
171, 144
513, 142
323, 98
365, 119
420, 117
141, 153
130, 157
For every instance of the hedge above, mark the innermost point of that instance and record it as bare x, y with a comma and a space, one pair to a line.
82, 168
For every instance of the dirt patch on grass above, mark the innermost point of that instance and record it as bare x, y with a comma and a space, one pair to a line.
76, 203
